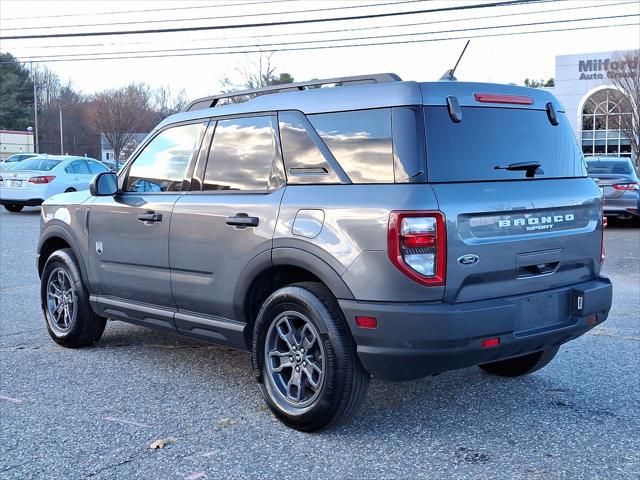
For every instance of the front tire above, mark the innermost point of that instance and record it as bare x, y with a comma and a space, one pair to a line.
13, 208
305, 359
68, 316
523, 365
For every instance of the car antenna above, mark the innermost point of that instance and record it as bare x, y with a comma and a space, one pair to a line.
448, 75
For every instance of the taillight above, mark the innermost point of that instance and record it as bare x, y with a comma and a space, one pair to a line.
626, 186
417, 245
501, 98
42, 179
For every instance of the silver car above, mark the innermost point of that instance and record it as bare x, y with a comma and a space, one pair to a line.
13, 159
618, 180
31, 181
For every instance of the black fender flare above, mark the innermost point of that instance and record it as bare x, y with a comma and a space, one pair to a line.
287, 257
57, 231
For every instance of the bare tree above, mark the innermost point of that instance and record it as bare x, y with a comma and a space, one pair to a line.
624, 73
119, 113
256, 74
165, 103
48, 86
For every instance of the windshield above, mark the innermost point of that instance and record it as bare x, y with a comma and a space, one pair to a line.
42, 164
608, 167
17, 158
487, 138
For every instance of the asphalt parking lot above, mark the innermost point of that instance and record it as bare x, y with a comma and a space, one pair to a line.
95, 412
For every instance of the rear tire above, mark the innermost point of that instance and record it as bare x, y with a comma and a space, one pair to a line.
305, 359
13, 208
518, 366
70, 190
68, 316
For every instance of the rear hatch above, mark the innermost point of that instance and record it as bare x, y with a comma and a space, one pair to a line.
511, 232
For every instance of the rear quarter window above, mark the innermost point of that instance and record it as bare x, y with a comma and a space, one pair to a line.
360, 141
489, 137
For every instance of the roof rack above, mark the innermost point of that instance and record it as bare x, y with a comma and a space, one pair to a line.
212, 101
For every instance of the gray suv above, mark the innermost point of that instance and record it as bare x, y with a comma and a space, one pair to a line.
376, 227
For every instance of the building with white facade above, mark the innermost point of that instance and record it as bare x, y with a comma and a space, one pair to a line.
15, 141
583, 84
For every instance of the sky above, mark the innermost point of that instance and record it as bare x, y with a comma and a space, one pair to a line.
502, 59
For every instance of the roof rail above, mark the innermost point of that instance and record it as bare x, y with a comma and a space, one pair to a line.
212, 101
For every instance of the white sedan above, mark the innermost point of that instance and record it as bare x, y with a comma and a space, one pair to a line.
32, 181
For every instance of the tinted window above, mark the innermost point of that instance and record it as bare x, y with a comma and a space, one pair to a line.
42, 164
242, 155
621, 168
95, 167
490, 137
163, 163
18, 158
360, 142
303, 158
78, 167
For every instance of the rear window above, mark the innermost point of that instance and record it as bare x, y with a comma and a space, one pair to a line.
42, 164
608, 167
491, 137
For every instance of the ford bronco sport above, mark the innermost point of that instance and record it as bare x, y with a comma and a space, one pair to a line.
380, 227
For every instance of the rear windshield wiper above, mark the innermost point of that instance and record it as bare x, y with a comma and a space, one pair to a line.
530, 167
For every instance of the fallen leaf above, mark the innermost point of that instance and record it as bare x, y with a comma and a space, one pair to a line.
195, 476
162, 442
226, 422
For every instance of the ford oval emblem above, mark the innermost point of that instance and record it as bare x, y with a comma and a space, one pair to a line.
469, 259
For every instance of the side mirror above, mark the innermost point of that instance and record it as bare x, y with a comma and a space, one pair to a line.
104, 184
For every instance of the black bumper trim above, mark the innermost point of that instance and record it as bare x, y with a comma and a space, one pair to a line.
415, 340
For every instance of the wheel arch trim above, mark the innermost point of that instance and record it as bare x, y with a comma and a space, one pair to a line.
55, 231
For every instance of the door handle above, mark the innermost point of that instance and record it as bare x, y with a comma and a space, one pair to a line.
243, 220
150, 217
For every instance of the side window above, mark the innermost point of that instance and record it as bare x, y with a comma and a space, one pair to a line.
242, 156
304, 161
78, 167
361, 142
95, 167
162, 165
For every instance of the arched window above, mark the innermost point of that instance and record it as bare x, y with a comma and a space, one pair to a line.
601, 115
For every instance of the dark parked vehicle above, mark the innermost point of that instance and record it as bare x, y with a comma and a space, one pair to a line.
618, 179
381, 227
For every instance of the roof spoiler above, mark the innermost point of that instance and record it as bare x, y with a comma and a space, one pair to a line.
212, 101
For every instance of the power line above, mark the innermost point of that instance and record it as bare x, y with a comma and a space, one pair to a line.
307, 42
195, 7
276, 23
192, 19
323, 47
376, 27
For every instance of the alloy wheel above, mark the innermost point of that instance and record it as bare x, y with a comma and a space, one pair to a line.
61, 300
295, 359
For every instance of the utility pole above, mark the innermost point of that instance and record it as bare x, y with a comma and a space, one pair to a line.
61, 138
35, 108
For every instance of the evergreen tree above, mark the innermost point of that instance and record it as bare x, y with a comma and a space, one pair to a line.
16, 94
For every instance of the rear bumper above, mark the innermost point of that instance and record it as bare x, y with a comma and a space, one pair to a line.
627, 204
418, 339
